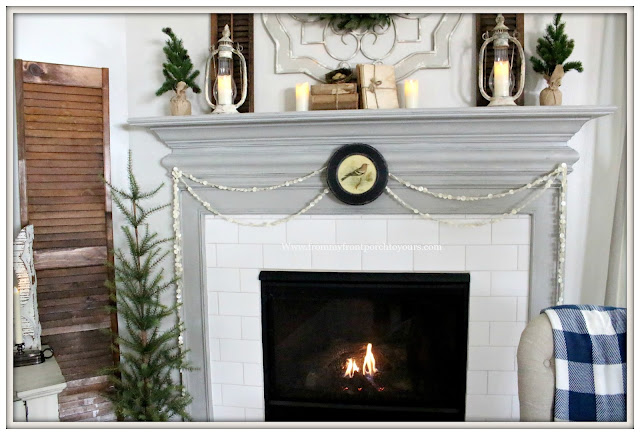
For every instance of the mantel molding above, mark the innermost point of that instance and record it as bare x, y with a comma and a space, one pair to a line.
463, 150
460, 114
430, 145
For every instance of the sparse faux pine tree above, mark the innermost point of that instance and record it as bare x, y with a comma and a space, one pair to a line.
554, 48
178, 67
144, 382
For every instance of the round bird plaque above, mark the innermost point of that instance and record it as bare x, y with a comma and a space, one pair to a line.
357, 174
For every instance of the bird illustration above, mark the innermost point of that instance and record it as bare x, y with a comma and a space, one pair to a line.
356, 173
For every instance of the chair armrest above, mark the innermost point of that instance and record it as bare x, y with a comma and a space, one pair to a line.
536, 371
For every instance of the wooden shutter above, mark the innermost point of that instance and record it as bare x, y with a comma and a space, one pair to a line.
485, 23
63, 149
241, 26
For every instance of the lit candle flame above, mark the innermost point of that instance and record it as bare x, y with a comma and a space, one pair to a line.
352, 368
369, 364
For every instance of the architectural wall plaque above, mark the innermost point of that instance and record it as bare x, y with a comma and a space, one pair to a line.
411, 42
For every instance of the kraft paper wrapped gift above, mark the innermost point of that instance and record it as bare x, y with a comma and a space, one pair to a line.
378, 86
335, 96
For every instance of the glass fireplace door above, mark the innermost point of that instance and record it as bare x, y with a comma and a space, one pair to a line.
366, 341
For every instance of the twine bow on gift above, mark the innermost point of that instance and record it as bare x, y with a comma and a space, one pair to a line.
373, 85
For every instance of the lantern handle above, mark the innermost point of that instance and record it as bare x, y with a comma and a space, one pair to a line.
522, 67
243, 76
481, 69
207, 79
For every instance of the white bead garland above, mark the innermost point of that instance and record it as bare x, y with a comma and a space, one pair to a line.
468, 224
562, 233
303, 210
255, 189
547, 179
176, 174
440, 195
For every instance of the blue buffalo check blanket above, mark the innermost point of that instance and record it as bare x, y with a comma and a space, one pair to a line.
591, 362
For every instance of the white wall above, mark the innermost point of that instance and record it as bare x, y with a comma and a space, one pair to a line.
144, 76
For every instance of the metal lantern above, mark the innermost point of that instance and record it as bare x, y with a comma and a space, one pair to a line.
224, 88
503, 79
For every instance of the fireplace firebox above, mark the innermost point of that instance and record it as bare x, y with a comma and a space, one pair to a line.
342, 346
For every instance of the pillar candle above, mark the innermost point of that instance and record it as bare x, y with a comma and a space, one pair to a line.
302, 97
17, 318
410, 94
501, 78
225, 93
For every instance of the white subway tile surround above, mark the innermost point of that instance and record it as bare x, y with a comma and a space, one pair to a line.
497, 256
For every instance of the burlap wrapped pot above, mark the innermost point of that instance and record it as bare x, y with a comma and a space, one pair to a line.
551, 95
180, 106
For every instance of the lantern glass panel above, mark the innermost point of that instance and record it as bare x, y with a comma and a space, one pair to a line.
224, 89
501, 54
501, 72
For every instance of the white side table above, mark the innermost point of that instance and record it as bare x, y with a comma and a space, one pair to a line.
35, 391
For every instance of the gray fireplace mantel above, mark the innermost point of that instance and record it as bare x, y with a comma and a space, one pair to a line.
459, 150
455, 146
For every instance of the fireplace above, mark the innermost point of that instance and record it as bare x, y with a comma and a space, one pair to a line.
364, 346
456, 150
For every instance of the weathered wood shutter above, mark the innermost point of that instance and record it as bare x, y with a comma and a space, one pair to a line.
63, 149
485, 23
241, 26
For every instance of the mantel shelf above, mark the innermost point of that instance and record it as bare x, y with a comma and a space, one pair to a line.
456, 114
454, 146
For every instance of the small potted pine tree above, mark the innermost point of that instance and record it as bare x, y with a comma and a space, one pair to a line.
554, 48
178, 74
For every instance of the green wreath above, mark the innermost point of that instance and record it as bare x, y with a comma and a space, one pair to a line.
351, 22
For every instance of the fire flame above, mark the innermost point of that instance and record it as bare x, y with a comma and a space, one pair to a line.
352, 367
369, 364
